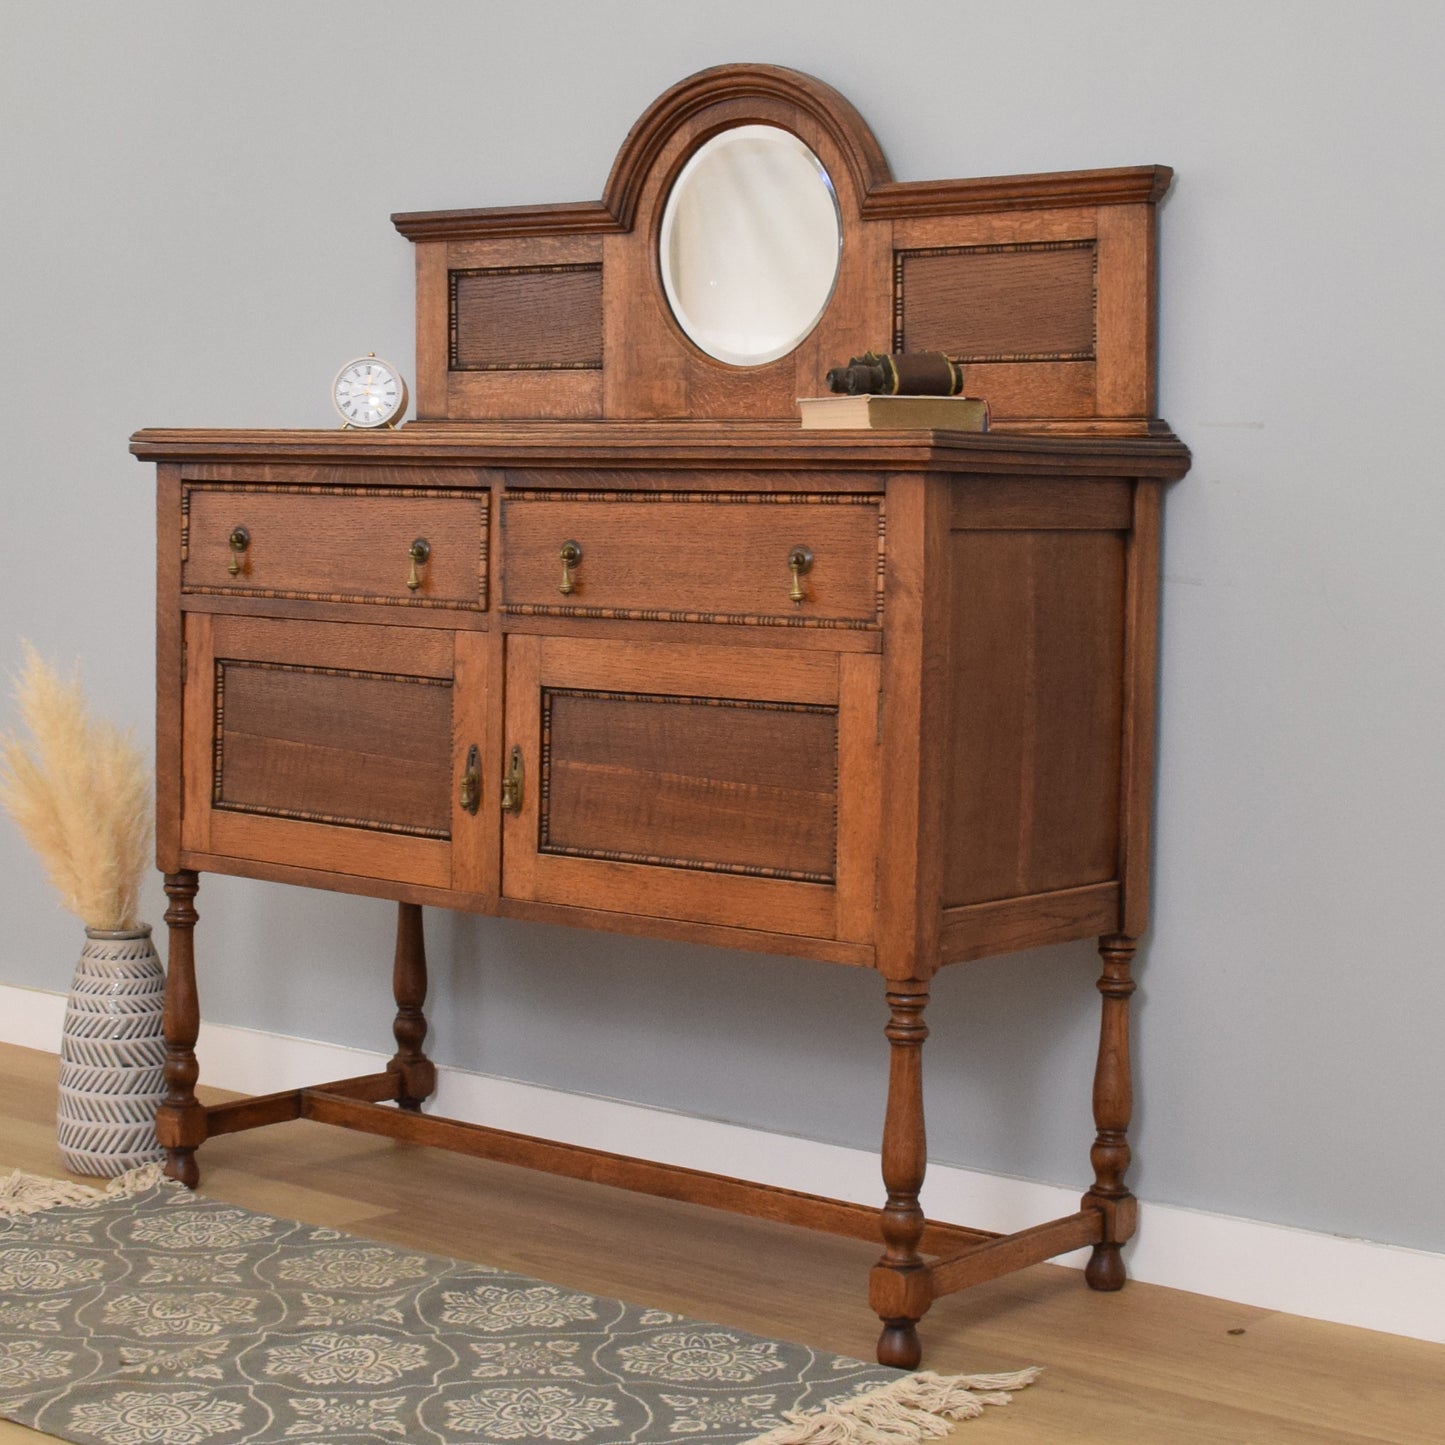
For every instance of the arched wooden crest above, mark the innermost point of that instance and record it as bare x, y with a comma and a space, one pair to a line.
1042, 286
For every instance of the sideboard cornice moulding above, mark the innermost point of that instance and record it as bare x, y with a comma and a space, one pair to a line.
1158, 457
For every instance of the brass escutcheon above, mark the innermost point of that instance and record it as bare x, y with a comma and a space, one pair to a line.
238, 541
512, 783
571, 555
420, 553
800, 560
470, 795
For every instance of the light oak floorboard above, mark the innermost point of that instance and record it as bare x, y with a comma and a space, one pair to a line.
1146, 1365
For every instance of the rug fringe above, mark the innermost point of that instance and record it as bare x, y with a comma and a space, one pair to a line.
23, 1193
918, 1407
138, 1180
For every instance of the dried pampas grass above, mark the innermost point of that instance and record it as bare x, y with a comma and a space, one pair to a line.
80, 794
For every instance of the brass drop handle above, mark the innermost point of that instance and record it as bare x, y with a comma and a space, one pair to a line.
470, 795
800, 560
238, 541
512, 783
420, 554
571, 555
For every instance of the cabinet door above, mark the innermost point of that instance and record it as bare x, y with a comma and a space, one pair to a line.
333, 747
715, 784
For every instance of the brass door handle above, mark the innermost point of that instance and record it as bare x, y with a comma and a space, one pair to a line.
470, 795
571, 555
420, 554
512, 783
800, 560
238, 541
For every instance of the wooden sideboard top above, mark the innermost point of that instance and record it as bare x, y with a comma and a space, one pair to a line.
1161, 457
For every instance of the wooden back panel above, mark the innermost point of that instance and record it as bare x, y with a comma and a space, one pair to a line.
1042, 285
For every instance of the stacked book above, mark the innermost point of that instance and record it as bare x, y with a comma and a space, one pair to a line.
870, 412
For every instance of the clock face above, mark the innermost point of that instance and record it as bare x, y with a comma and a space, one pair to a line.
368, 392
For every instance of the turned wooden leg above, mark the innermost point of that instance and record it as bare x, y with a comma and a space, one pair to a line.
181, 1120
901, 1286
1113, 1106
416, 1074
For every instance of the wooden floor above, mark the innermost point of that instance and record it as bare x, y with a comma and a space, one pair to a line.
1143, 1366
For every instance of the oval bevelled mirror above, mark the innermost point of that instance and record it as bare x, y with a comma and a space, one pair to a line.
750, 244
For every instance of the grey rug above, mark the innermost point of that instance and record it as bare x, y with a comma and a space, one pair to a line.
148, 1315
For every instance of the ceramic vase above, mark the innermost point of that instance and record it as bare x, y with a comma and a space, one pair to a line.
112, 1055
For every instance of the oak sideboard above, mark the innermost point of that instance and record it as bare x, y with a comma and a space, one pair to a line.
603, 638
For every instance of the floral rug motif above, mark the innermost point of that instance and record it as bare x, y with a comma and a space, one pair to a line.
148, 1315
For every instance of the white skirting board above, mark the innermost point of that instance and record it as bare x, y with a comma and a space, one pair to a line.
1322, 1276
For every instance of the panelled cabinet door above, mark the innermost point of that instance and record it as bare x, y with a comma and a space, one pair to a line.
336, 747
693, 782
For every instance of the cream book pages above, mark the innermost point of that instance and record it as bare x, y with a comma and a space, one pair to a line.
881, 413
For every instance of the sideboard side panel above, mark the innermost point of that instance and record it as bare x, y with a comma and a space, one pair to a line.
1035, 708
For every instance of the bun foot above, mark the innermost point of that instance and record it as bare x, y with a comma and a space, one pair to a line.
899, 1345
1105, 1269
181, 1166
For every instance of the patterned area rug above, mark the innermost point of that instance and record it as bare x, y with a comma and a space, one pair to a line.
146, 1315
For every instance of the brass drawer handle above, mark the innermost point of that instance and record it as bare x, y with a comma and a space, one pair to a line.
238, 541
571, 555
420, 554
800, 560
470, 796
512, 783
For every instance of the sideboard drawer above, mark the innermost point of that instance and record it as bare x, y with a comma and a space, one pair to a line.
690, 557
336, 544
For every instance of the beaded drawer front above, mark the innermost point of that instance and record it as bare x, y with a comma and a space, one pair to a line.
419, 547
785, 559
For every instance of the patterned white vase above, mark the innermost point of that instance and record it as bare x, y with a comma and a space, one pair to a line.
112, 1055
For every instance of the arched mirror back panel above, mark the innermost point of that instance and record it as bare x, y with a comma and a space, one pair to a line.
1042, 286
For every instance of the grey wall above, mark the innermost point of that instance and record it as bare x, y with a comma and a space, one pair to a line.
194, 201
